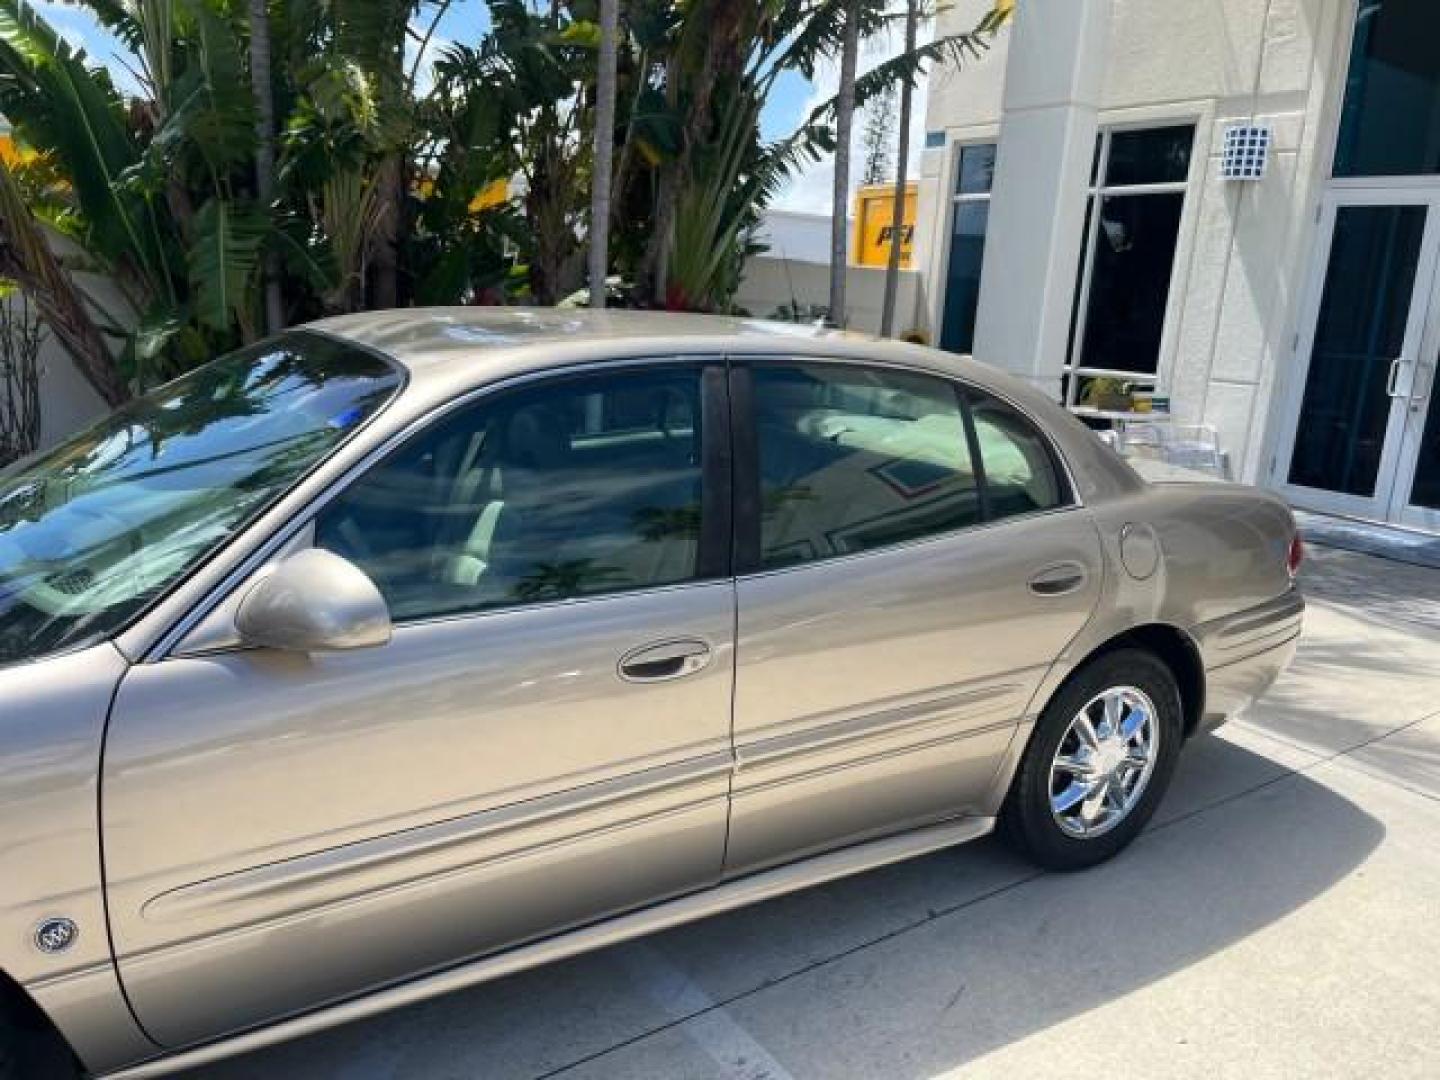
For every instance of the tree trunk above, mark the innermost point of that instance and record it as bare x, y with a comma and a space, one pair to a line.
600, 170
265, 149
844, 116
26, 258
902, 157
385, 260
667, 188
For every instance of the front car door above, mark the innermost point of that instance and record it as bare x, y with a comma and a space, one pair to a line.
912, 563
545, 740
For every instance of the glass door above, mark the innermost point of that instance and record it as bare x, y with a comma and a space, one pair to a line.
1416, 501
1358, 440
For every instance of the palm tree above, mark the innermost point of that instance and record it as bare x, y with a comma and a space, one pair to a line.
844, 116
897, 216
601, 166
264, 146
27, 259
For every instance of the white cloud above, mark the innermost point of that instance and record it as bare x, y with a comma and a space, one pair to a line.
811, 191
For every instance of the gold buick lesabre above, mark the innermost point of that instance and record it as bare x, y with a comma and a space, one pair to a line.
409, 649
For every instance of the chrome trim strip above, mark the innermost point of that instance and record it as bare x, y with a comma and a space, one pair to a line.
1263, 618
724, 897
742, 789
1223, 640
335, 864
896, 720
1256, 647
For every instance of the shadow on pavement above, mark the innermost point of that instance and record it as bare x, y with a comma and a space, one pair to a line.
904, 972
1396, 595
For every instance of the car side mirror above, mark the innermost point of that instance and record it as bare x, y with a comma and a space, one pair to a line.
314, 601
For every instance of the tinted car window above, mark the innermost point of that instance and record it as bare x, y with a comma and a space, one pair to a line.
1020, 471
569, 489
94, 530
855, 458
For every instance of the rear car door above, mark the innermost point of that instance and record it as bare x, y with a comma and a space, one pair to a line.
546, 739
911, 559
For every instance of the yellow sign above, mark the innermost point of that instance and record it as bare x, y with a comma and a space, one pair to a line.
874, 219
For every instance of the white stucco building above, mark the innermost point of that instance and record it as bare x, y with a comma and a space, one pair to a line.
1075, 225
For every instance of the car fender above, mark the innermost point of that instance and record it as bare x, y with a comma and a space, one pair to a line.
54, 942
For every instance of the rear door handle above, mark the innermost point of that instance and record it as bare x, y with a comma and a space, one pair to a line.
663, 660
1058, 580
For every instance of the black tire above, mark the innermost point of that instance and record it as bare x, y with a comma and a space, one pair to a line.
30, 1048
1026, 821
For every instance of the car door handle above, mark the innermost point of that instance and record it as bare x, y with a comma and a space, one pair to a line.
1058, 580
665, 660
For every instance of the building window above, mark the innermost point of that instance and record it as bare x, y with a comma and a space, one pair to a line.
970, 213
1390, 123
1132, 223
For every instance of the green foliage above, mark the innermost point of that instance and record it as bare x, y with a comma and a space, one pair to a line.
161, 190
223, 259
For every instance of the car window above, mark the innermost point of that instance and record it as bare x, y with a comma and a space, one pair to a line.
854, 458
1021, 476
95, 530
573, 488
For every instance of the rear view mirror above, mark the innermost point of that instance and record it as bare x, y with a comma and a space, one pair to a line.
314, 601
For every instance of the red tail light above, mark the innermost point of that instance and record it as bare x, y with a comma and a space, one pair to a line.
1295, 556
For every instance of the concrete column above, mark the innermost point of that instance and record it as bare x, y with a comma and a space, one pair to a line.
1047, 141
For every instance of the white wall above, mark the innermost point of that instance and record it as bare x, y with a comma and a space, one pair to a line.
797, 236
1244, 248
966, 105
67, 401
769, 282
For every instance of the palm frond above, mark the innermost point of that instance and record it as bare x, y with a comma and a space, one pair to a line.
224, 259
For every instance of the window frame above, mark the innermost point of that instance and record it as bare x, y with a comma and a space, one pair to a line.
1096, 189
716, 497
713, 556
746, 483
954, 200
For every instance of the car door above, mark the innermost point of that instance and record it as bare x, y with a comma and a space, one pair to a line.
544, 741
911, 561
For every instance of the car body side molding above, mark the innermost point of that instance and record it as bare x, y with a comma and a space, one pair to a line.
725, 897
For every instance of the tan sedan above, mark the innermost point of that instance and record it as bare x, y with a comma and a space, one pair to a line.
410, 649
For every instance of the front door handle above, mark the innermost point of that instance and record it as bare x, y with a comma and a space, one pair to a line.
663, 660
1058, 580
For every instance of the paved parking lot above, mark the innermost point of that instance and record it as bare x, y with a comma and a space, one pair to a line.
1280, 918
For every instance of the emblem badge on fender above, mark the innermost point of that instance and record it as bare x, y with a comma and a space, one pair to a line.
56, 935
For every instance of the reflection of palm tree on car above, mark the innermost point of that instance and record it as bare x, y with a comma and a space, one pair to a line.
656, 523
558, 580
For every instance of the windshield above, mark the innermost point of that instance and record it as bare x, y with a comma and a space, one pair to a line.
94, 530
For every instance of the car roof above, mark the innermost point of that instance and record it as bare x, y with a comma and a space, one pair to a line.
435, 342
447, 351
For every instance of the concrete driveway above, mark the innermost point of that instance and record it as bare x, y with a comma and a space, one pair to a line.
1281, 917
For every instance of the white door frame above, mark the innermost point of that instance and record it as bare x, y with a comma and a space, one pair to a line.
1412, 372
1415, 412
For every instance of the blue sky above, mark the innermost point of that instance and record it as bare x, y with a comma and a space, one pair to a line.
791, 99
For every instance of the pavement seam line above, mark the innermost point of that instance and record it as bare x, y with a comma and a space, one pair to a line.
805, 969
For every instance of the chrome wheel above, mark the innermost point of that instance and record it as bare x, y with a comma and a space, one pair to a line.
1104, 762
